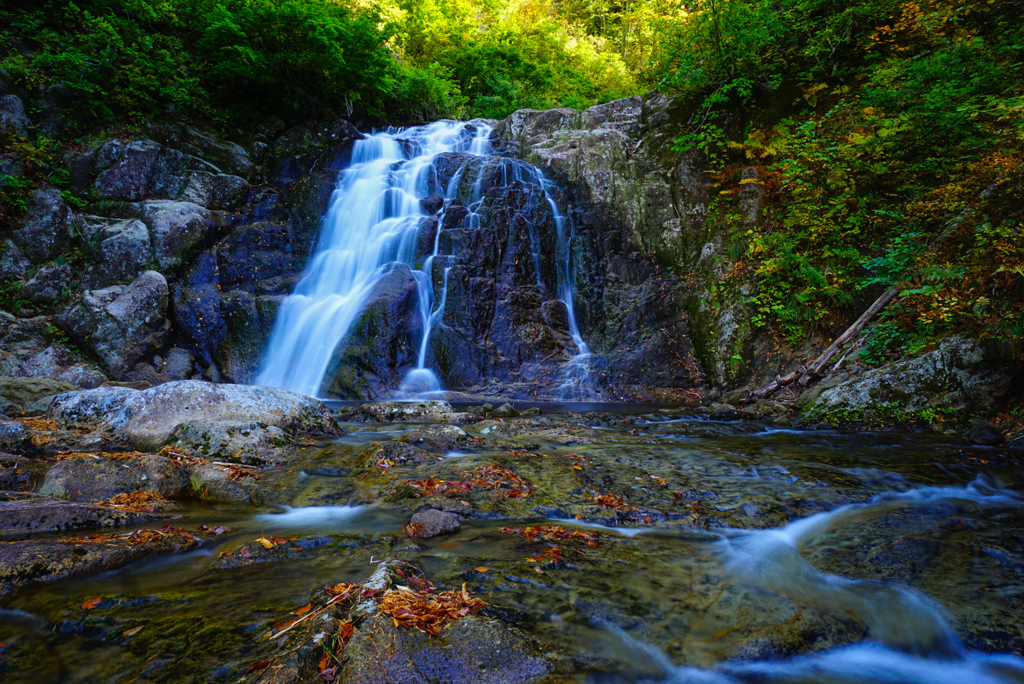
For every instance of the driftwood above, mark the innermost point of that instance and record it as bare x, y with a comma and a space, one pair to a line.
808, 374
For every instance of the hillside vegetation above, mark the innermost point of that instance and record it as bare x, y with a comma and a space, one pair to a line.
888, 133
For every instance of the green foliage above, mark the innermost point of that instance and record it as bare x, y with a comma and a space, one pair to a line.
899, 163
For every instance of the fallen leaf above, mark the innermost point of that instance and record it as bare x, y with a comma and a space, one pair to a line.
132, 632
258, 666
244, 553
482, 569
304, 609
92, 603
267, 544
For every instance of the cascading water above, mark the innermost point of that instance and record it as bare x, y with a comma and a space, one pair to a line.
373, 225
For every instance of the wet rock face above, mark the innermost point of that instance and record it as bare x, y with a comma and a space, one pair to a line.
380, 346
637, 208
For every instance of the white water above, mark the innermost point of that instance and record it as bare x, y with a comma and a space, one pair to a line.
910, 638
321, 517
371, 227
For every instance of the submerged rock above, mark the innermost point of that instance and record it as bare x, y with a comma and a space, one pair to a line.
432, 523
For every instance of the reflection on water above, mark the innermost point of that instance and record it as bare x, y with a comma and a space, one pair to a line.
770, 556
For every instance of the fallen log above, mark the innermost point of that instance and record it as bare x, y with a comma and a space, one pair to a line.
814, 371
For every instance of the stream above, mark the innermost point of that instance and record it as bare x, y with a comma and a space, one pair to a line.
748, 553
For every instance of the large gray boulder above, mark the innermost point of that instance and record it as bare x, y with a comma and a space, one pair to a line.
146, 419
960, 377
176, 229
248, 442
121, 325
46, 231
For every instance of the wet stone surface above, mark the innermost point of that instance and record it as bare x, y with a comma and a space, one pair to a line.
604, 547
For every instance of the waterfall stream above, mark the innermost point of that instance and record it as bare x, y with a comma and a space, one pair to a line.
374, 225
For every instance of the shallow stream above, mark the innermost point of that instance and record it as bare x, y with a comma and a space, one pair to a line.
755, 554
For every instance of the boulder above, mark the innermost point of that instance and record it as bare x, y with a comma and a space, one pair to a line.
21, 339
13, 436
89, 410
215, 191
146, 419
46, 231
176, 230
960, 377
81, 375
179, 364
12, 115
432, 523
46, 364
473, 650
25, 390
48, 285
211, 482
13, 266
122, 250
228, 156
236, 441
129, 169
121, 324
984, 432
95, 478
32, 513
57, 363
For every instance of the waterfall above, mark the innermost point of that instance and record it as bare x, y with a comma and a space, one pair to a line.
372, 225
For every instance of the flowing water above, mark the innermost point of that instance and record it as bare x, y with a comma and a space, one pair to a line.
753, 555
374, 225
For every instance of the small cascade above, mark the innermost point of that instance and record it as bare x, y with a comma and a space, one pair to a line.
375, 225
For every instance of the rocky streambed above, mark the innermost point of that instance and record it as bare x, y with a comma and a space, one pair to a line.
279, 542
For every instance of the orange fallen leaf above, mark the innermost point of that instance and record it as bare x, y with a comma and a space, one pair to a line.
132, 632
304, 609
482, 569
92, 603
258, 666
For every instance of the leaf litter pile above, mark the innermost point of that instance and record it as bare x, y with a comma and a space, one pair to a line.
492, 478
137, 502
409, 599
